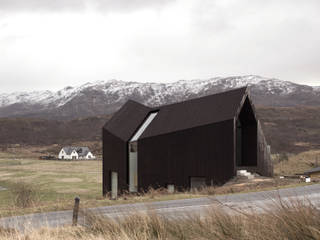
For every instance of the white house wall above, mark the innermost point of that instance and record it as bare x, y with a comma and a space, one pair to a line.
74, 154
90, 156
63, 155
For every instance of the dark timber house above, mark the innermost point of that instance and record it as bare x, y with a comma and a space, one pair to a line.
199, 141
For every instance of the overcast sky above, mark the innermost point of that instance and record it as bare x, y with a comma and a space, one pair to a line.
46, 44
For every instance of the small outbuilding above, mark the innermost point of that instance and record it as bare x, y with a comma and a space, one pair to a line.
75, 153
203, 141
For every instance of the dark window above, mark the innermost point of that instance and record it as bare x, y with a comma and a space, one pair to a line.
133, 147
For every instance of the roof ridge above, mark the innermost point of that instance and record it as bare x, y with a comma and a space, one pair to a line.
198, 98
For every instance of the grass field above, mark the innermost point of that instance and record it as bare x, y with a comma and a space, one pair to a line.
55, 184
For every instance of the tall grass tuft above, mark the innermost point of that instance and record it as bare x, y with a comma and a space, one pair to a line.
285, 220
24, 195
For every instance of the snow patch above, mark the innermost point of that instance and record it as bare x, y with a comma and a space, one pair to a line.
157, 92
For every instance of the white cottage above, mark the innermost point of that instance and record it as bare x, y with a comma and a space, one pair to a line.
75, 153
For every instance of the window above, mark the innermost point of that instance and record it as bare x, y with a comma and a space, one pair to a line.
143, 127
133, 147
133, 153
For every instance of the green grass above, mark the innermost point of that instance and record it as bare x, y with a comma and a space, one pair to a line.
55, 181
58, 183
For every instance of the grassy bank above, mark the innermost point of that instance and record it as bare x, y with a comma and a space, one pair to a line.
290, 164
295, 220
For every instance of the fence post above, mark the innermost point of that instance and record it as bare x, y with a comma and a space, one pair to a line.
75, 211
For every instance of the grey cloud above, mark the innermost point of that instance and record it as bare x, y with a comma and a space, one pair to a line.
78, 5
270, 38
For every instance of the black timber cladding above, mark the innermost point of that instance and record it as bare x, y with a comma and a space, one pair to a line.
191, 138
179, 155
115, 135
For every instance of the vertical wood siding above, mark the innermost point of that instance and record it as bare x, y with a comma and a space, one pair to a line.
173, 158
114, 160
265, 164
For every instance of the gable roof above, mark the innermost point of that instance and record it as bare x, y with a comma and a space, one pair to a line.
126, 121
68, 150
82, 151
178, 116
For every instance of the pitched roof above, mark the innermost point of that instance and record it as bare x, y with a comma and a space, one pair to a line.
68, 150
125, 122
196, 112
178, 116
82, 151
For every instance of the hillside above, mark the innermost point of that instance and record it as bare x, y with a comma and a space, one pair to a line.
291, 129
47, 132
287, 129
290, 112
105, 97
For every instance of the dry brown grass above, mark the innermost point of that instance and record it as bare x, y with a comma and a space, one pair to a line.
297, 163
292, 220
25, 195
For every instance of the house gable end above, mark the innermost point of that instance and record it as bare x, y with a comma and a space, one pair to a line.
125, 122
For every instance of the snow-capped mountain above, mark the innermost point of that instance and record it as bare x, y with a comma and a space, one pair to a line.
105, 97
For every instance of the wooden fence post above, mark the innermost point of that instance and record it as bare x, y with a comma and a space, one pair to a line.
75, 211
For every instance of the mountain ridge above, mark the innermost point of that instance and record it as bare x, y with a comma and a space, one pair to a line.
105, 97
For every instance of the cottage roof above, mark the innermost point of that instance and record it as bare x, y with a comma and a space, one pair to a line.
178, 116
68, 150
82, 151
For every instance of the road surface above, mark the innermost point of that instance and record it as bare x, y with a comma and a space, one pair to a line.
249, 202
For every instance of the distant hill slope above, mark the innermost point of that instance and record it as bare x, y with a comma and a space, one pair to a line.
291, 129
46, 132
288, 129
105, 97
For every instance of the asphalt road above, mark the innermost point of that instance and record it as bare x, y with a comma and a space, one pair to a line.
233, 203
